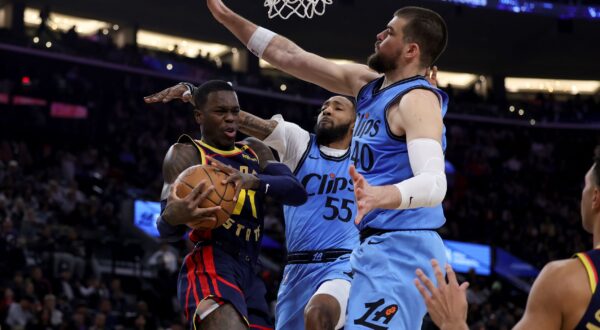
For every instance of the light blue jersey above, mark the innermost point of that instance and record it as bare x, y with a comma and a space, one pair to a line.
382, 158
394, 243
320, 234
326, 220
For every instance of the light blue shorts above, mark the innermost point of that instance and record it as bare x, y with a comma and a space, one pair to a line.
383, 295
299, 284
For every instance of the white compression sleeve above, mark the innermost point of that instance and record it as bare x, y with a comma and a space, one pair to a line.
259, 41
428, 186
340, 290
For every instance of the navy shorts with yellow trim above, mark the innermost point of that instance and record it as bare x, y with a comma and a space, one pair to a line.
209, 272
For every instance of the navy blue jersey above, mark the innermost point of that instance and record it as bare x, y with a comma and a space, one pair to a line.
591, 262
243, 229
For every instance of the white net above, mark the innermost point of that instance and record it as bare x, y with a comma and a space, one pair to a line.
302, 8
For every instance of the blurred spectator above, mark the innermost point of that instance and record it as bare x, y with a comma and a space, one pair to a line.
164, 259
50, 316
21, 313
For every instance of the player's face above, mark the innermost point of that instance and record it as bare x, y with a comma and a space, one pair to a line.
590, 201
219, 119
388, 47
336, 118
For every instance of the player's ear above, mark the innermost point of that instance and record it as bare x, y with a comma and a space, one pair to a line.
199, 116
596, 198
412, 50
353, 121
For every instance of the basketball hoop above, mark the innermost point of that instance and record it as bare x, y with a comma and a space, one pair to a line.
302, 8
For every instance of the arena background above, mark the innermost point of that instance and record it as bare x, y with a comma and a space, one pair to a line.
81, 154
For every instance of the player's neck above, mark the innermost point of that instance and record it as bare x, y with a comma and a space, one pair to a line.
401, 73
596, 233
341, 144
212, 143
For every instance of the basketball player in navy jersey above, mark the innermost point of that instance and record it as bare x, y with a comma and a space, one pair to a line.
319, 234
564, 296
217, 285
397, 151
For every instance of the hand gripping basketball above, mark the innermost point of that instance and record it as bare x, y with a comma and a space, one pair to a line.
219, 194
187, 210
239, 179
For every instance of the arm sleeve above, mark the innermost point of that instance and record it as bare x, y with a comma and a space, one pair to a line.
289, 140
427, 188
167, 232
280, 183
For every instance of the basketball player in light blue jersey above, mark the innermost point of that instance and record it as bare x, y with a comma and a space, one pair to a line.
320, 234
397, 152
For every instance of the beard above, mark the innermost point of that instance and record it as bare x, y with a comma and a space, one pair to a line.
326, 136
380, 64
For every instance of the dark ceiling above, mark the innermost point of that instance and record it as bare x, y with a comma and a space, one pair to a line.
481, 40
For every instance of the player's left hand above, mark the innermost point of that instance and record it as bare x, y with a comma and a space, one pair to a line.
179, 91
446, 303
239, 179
369, 197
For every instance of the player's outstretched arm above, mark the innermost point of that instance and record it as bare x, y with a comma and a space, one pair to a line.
182, 91
285, 55
287, 138
249, 124
255, 126
446, 303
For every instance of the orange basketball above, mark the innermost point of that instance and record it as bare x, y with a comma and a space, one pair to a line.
222, 194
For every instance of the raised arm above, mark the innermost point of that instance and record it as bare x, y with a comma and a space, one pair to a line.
447, 302
285, 55
249, 123
289, 139
257, 127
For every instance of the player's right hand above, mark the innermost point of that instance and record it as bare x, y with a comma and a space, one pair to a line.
187, 210
179, 91
446, 303
240, 180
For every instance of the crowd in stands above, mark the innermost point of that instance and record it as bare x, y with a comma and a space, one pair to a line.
66, 187
477, 99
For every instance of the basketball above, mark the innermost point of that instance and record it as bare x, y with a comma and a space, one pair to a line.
222, 194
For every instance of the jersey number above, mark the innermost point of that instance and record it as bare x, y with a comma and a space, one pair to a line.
242, 197
362, 156
344, 215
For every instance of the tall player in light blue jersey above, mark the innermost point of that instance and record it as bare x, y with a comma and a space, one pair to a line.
320, 234
397, 150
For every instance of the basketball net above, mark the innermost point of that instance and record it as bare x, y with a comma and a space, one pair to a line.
302, 8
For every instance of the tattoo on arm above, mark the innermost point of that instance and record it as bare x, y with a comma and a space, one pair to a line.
178, 158
264, 153
255, 126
